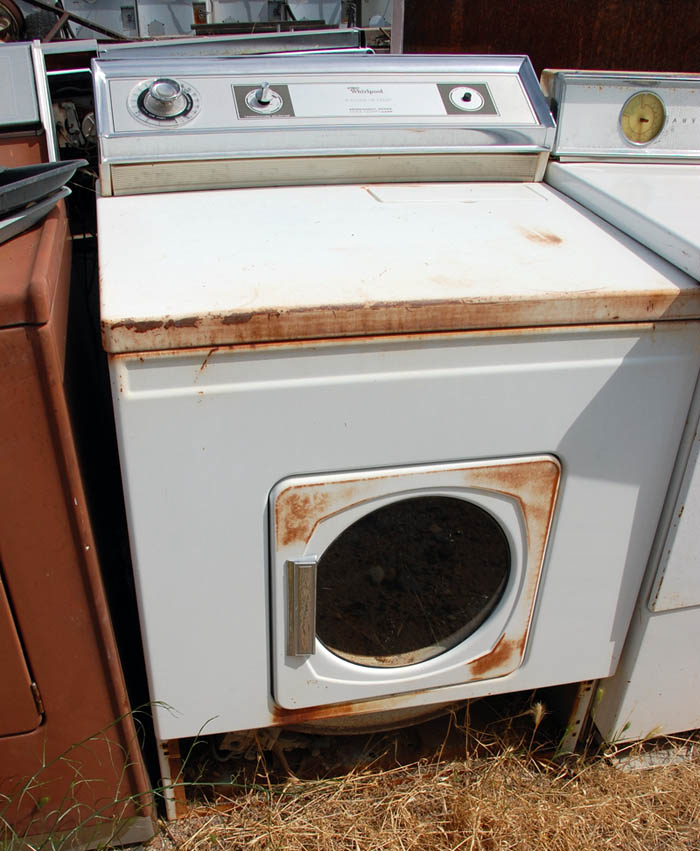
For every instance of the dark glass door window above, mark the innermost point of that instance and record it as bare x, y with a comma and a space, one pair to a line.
410, 580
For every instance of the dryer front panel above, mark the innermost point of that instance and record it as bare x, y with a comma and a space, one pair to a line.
207, 436
389, 581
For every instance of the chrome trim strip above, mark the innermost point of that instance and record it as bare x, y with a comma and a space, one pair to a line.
44, 99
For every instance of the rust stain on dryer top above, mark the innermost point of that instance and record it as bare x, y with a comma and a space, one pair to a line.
517, 258
386, 319
137, 326
185, 322
541, 237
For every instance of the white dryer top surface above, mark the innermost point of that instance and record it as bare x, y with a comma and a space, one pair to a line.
200, 269
657, 204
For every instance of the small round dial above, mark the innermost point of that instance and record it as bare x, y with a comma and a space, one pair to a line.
163, 102
466, 98
264, 100
643, 117
164, 98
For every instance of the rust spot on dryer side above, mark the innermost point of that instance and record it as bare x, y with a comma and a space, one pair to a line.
541, 237
296, 514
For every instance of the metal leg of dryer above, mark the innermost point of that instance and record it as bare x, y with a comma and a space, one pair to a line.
172, 779
570, 705
579, 715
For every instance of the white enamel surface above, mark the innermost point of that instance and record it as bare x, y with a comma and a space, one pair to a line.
656, 690
205, 436
658, 205
243, 252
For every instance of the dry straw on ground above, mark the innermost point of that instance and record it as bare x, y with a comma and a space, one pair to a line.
495, 795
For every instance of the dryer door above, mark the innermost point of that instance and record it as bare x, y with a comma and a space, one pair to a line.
394, 580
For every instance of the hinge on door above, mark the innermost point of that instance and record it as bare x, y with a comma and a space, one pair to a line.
36, 694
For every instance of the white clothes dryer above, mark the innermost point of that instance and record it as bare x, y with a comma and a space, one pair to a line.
627, 149
396, 419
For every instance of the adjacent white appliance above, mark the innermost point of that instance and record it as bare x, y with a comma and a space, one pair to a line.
628, 150
396, 419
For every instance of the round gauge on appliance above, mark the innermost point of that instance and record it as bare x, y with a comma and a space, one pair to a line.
642, 117
466, 98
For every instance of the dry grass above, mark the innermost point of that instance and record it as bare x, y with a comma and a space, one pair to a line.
498, 794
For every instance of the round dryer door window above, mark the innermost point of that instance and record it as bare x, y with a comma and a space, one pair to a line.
403, 579
410, 580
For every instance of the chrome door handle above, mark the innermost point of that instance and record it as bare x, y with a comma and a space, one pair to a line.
301, 606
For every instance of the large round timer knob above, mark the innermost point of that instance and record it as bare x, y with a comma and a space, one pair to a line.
164, 98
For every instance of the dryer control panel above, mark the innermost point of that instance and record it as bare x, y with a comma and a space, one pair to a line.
622, 115
177, 123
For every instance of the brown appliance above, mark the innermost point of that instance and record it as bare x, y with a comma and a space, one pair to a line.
70, 761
